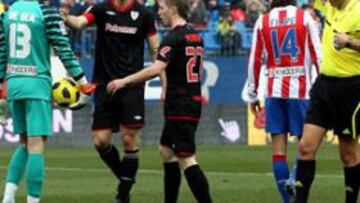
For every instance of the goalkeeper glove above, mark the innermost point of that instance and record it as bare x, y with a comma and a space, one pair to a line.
85, 91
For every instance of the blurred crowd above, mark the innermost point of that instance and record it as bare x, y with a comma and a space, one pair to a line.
231, 20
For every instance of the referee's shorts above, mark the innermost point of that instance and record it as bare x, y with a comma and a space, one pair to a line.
335, 104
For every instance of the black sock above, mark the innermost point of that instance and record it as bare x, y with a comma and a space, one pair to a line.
110, 156
130, 165
352, 179
304, 178
172, 180
198, 184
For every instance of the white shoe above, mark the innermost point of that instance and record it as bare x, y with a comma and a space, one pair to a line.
31, 199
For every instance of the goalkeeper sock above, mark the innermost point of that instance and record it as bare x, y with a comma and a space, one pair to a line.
352, 182
130, 166
304, 178
15, 172
198, 184
111, 157
35, 174
172, 181
281, 174
17, 165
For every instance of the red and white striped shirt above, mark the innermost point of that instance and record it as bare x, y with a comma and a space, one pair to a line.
290, 40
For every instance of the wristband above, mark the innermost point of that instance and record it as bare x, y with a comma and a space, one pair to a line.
348, 43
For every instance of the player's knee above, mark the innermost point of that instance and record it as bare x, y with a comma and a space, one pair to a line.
129, 138
36, 144
100, 141
166, 154
186, 162
306, 150
350, 157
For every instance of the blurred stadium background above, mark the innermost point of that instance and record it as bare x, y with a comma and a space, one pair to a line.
235, 155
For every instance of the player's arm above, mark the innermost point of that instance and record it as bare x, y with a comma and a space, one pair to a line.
147, 73
57, 36
314, 41
3, 50
3, 59
254, 66
81, 21
153, 42
76, 22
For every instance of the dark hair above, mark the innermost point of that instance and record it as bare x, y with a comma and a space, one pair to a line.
182, 7
280, 3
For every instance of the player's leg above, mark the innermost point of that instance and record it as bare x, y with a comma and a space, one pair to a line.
19, 158
183, 137
279, 164
104, 123
130, 161
196, 178
15, 171
131, 109
277, 126
35, 168
38, 128
350, 156
296, 111
307, 148
172, 174
106, 150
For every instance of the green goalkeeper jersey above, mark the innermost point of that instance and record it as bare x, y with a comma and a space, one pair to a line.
27, 31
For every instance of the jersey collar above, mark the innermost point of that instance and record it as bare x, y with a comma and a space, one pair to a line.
122, 8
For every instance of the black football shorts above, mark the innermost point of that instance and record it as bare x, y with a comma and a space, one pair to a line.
335, 104
179, 135
124, 107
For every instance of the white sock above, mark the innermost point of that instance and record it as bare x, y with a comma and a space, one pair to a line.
31, 199
10, 191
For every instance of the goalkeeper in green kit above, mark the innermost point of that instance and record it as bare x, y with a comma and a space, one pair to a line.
28, 30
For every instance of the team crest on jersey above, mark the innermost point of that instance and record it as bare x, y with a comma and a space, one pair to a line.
110, 13
164, 51
63, 28
134, 15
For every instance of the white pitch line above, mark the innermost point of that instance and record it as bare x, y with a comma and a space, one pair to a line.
151, 171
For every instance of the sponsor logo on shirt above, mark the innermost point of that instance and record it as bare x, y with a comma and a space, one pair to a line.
21, 69
120, 29
134, 15
285, 71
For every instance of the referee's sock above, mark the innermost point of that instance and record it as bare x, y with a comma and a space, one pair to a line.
198, 184
130, 165
352, 182
172, 181
111, 157
304, 178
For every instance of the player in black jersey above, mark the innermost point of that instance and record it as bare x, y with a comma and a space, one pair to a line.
122, 26
180, 56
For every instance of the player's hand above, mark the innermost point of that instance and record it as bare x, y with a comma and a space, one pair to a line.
255, 108
85, 92
116, 85
3, 111
64, 12
340, 40
85, 89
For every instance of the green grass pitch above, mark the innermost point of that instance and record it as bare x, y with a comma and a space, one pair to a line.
237, 174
